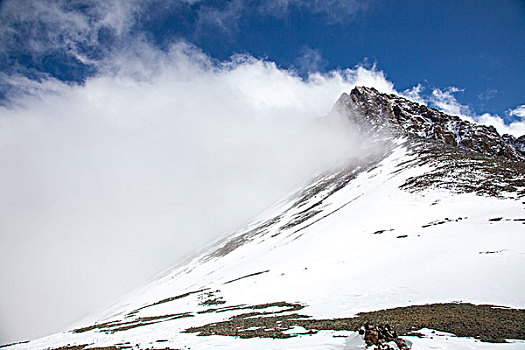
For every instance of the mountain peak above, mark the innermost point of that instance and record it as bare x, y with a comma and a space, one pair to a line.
373, 111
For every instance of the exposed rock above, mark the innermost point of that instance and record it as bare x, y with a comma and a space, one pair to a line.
376, 113
383, 337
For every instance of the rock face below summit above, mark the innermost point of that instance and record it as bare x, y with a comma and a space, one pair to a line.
374, 112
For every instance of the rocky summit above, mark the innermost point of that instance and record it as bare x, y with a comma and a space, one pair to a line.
373, 112
417, 242
465, 156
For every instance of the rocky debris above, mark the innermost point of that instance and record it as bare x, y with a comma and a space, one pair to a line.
231, 243
517, 143
378, 232
163, 301
12, 344
440, 222
115, 347
377, 114
463, 171
130, 322
263, 321
493, 251
487, 323
246, 276
211, 298
382, 336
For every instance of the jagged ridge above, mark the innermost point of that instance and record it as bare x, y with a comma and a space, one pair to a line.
464, 157
375, 112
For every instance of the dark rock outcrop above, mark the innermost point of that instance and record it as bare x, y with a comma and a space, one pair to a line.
383, 337
378, 113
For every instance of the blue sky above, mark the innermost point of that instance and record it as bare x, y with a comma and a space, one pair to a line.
479, 49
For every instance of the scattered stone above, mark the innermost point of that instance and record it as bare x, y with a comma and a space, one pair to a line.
496, 219
11, 344
381, 335
211, 298
378, 232
493, 251
250, 275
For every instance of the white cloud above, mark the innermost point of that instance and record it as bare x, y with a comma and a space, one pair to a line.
447, 102
516, 128
414, 94
107, 182
370, 77
79, 31
335, 11
487, 94
310, 60
338, 10
226, 15
42, 26
225, 19
518, 112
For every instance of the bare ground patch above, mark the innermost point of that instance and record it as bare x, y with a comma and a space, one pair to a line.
485, 322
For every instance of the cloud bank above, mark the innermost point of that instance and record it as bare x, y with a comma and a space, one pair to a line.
107, 182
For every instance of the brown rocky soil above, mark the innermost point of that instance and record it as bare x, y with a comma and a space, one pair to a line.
86, 347
487, 323
484, 322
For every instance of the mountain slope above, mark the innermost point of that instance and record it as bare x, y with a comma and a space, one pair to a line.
432, 212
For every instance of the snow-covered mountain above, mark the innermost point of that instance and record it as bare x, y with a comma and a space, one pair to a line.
424, 232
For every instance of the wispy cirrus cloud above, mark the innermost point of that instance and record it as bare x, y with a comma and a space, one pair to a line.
71, 40
39, 26
515, 128
310, 61
518, 112
43, 25
487, 94
415, 94
335, 11
224, 18
446, 101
